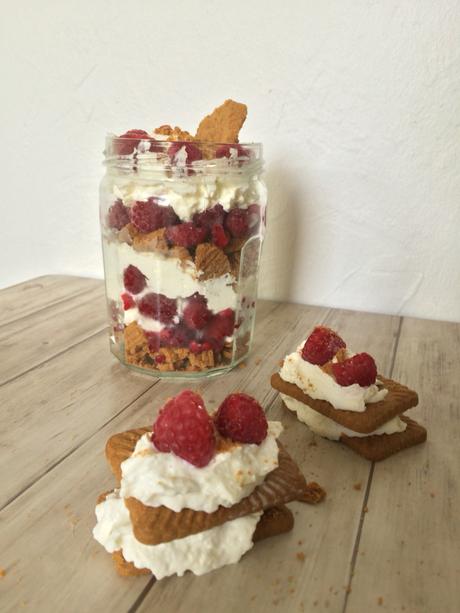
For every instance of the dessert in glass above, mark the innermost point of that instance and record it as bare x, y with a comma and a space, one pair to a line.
182, 226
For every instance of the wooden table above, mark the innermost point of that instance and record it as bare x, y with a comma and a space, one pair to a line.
387, 538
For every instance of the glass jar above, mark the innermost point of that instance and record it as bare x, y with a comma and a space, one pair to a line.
182, 227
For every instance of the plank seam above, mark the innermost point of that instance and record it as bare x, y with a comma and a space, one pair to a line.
362, 518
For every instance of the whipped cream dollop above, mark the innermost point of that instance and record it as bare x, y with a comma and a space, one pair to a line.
322, 425
319, 385
157, 478
199, 553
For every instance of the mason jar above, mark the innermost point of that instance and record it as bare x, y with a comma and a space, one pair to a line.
182, 227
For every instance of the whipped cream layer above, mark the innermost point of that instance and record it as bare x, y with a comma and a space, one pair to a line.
165, 275
192, 194
317, 384
322, 425
199, 553
157, 478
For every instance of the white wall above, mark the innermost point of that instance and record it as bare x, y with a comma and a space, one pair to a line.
357, 103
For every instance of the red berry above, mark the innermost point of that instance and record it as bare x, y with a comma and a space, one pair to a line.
225, 151
241, 418
153, 340
196, 313
160, 358
321, 346
147, 216
185, 235
219, 236
196, 347
128, 301
236, 222
360, 369
132, 138
221, 325
133, 280
192, 152
158, 307
210, 217
178, 336
118, 215
184, 428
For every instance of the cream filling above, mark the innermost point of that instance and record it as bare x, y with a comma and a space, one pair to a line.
324, 426
317, 384
199, 553
157, 478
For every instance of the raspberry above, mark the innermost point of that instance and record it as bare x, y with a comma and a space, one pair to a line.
148, 215
193, 153
237, 223
160, 358
360, 369
184, 428
225, 151
241, 418
196, 347
196, 313
153, 341
128, 301
321, 346
133, 279
221, 325
133, 138
158, 307
219, 236
210, 217
179, 336
169, 216
185, 235
118, 215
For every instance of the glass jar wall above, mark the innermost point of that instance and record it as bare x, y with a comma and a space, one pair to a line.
182, 227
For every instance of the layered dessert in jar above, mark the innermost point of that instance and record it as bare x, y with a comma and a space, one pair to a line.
182, 224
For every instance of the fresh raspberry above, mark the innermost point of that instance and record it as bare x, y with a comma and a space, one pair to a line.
219, 237
133, 138
160, 358
158, 307
193, 152
133, 280
128, 301
147, 215
225, 151
153, 340
360, 369
220, 326
254, 218
236, 222
186, 235
321, 346
118, 215
184, 428
178, 336
241, 418
169, 217
210, 217
196, 313
196, 347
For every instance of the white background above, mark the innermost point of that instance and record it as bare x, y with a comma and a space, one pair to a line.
357, 103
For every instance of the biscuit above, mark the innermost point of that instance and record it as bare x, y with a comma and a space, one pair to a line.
273, 521
223, 124
398, 400
381, 446
211, 261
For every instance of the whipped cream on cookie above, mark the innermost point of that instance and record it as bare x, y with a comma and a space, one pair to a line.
323, 426
318, 384
199, 553
158, 479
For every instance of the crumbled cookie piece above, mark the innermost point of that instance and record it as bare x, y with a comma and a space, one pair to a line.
152, 241
313, 493
182, 253
174, 134
223, 124
211, 261
127, 569
135, 343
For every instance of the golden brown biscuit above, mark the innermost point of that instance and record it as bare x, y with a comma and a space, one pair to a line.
223, 124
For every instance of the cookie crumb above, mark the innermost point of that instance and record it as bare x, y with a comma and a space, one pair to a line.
313, 443
258, 361
2, 573
366, 509
300, 542
432, 494
380, 601
300, 556
357, 486
242, 365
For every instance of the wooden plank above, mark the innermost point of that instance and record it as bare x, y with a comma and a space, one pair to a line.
51, 560
29, 341
271, 577
409, 552
36, 294
77, 393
